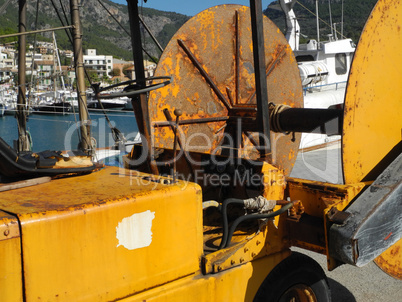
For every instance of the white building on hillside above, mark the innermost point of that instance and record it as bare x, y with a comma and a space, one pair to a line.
5, 71
103, 65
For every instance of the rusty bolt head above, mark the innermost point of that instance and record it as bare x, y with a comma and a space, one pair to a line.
300, 209
178, 112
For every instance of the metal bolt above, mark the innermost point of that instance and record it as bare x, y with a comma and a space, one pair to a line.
253, 254
219, 268
258, 242
232, 262
300, 209
241, 260
6, 232
245, 250
177, 112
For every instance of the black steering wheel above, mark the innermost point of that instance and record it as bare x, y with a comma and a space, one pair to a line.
131, 89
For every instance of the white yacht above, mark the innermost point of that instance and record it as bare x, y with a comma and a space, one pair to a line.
324, 69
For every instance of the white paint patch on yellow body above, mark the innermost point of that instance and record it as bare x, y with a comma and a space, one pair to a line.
135, 232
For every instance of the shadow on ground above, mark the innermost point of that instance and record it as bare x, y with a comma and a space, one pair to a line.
339, 293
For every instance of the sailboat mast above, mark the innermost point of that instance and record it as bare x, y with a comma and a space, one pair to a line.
23, 142
318, 23
54, 71
80, 74
56, 53
330, 18
342, 23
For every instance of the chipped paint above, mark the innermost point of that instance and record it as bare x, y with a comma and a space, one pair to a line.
135, 232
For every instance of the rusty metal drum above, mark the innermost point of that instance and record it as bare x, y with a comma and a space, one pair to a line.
211, 61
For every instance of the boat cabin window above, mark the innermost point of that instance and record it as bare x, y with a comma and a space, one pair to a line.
340, 64
304, 58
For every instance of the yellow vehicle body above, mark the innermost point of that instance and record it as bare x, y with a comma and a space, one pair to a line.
121, 234
80, 239
88, 212
11, 280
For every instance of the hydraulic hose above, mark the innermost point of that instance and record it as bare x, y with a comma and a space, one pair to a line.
249, 217
225, 203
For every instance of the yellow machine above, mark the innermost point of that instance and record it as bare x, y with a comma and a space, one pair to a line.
205, 209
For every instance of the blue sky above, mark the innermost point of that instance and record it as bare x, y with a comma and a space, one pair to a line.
189, 7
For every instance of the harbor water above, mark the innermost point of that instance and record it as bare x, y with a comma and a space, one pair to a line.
59, 132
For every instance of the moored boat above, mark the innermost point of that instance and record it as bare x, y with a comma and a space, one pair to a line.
110, 104
57, 107
324, 68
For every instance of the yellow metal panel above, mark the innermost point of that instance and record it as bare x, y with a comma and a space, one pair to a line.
267, 241
83, 239
373, 104
318, 197
391, 260
10, 259
274, 182
237, 284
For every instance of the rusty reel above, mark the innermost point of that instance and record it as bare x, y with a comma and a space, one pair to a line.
211, 61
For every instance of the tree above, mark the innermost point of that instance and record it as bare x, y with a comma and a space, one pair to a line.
93, 77
125, 70
115, 72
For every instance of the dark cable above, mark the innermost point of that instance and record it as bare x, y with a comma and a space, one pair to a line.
64, 13
255, 216
58, 15
225, 203
126, 31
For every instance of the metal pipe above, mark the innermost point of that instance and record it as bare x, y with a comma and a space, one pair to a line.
140, 104
177, 113
85, 130
325, 121
23, 142
260, 78
35, 31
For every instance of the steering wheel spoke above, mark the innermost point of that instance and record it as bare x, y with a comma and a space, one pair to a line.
132, 88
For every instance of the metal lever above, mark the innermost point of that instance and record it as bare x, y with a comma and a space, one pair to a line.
177, 113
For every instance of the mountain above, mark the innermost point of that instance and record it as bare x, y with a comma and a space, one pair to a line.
355, 14
100, 30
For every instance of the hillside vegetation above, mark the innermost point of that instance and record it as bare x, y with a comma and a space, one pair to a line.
100, 31
355, 14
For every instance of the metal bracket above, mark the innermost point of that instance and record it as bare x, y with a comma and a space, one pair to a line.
372, 223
